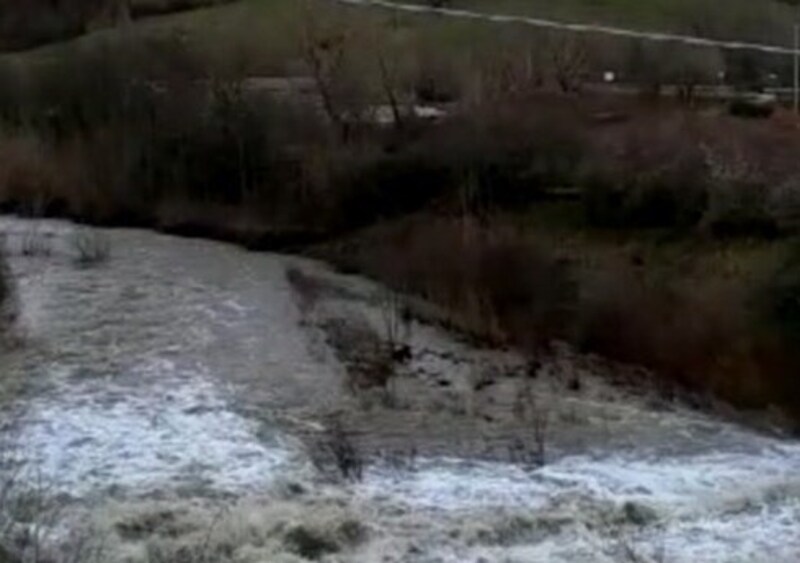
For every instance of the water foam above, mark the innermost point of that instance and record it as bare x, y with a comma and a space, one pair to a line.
167, 431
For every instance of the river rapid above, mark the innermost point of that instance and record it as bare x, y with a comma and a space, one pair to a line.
171, 403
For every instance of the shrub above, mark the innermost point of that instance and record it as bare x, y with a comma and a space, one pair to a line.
128, 126
643, 203
337, 450
752, 171
646, 175
783, 204
750, 109
695, 333
467, 269
779, 298
219, 154
309, 543
508, 158
536, 303
622, 318
35, 243
27, 174
739, 194
777, 304
12, 92
371, 185
91, 247
436, 84
493, 159
7, 312
94, 88
738, 210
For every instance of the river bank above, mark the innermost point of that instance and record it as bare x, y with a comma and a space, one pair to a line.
601, 291
643, 223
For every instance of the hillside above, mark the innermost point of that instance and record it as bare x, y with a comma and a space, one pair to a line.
263, 35
698, 16
767, 20
33, 23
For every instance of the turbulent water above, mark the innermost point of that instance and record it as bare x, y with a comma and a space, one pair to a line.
179, 376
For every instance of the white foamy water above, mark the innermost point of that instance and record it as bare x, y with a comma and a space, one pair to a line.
166, 370
673, 487
714, 508
166, 432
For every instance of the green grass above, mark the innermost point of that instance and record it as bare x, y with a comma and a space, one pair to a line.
215, 31
674, 15
266, 31
665, 253
263, 37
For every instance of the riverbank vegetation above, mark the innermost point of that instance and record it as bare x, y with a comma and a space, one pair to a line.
644, 227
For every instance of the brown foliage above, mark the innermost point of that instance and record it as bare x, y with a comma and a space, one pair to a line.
495, 284
499, 285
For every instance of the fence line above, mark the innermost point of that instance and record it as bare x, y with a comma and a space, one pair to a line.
572, 27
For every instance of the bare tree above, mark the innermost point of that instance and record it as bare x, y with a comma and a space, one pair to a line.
389, 81
324, 46
569, 59
397, 323
516, 67
684, 68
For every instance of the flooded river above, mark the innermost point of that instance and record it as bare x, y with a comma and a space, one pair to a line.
170, 403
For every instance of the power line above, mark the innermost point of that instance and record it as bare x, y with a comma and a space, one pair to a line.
573, 27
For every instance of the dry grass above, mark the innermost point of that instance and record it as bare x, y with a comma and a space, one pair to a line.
465, 268
701, 334
689, 313
30, 516
298, 527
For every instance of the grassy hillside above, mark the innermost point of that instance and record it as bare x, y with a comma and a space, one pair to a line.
272, 24
28, 24
663, 14
204, 29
